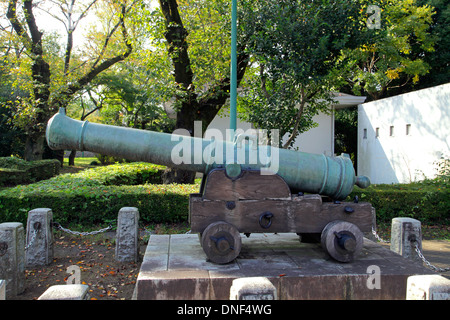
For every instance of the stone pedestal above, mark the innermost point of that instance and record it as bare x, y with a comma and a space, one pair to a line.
39, 250
176, 267
127, 235
12, 257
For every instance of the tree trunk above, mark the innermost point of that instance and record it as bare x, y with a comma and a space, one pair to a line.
192, 108
174, 175
73, 154
34, 148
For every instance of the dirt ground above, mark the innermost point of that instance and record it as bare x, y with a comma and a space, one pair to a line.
107, 278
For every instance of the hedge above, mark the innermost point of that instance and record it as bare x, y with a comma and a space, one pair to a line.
94, 196
15, 171
422, 201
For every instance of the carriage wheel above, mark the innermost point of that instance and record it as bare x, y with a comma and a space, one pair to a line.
342, 240
221, 242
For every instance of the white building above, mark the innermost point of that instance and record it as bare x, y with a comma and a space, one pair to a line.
319, 140
400, 138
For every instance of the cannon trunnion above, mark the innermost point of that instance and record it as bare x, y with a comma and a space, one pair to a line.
255, 203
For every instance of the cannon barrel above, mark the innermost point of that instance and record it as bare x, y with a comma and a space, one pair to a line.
312, 173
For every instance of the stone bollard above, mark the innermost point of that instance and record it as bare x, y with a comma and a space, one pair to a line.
428, 287
12, 257
2, 290
127, 235
39, 250
253, 288
405, 234
66, 292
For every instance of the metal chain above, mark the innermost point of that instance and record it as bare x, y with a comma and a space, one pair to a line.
59, 227
419, 253
375, 234
33, 237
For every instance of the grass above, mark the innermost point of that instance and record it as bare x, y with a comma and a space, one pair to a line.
80, 164
429, 231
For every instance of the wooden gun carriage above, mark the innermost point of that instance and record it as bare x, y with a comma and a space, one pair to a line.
255, 203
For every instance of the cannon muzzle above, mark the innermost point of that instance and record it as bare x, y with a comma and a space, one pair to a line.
312, 173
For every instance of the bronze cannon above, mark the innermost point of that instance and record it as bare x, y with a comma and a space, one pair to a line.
246, 188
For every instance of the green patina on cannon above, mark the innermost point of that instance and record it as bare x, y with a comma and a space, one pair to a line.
247, 188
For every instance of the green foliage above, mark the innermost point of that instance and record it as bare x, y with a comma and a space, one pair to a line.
49, 75
129, 96
17, 171
392, 55
12, 139
121, 174
293, 44
105, 159
96, 195
426, 201
442, 171
438, 60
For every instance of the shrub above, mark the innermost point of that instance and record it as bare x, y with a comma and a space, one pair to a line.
17, 171
124, 174
426, 201
96, 195
105, 159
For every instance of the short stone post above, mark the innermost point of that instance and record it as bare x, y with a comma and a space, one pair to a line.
39, 246
127, 235
66, 292
253, 288
2, 290
405, 234
428, 287
12, 257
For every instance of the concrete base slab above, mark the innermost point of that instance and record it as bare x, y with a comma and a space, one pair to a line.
175, 267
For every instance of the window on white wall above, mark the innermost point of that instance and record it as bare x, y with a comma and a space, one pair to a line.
377, 132
391, 131
365, 134
408, 129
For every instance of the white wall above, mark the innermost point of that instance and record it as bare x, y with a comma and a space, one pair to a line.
319, 140
399, 157
222, 122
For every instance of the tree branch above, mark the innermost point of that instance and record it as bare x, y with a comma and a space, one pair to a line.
97, 69
176, 37
263, 81
17, 26
297, 119
36, 35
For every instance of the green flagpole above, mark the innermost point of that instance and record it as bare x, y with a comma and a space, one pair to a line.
233, 68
